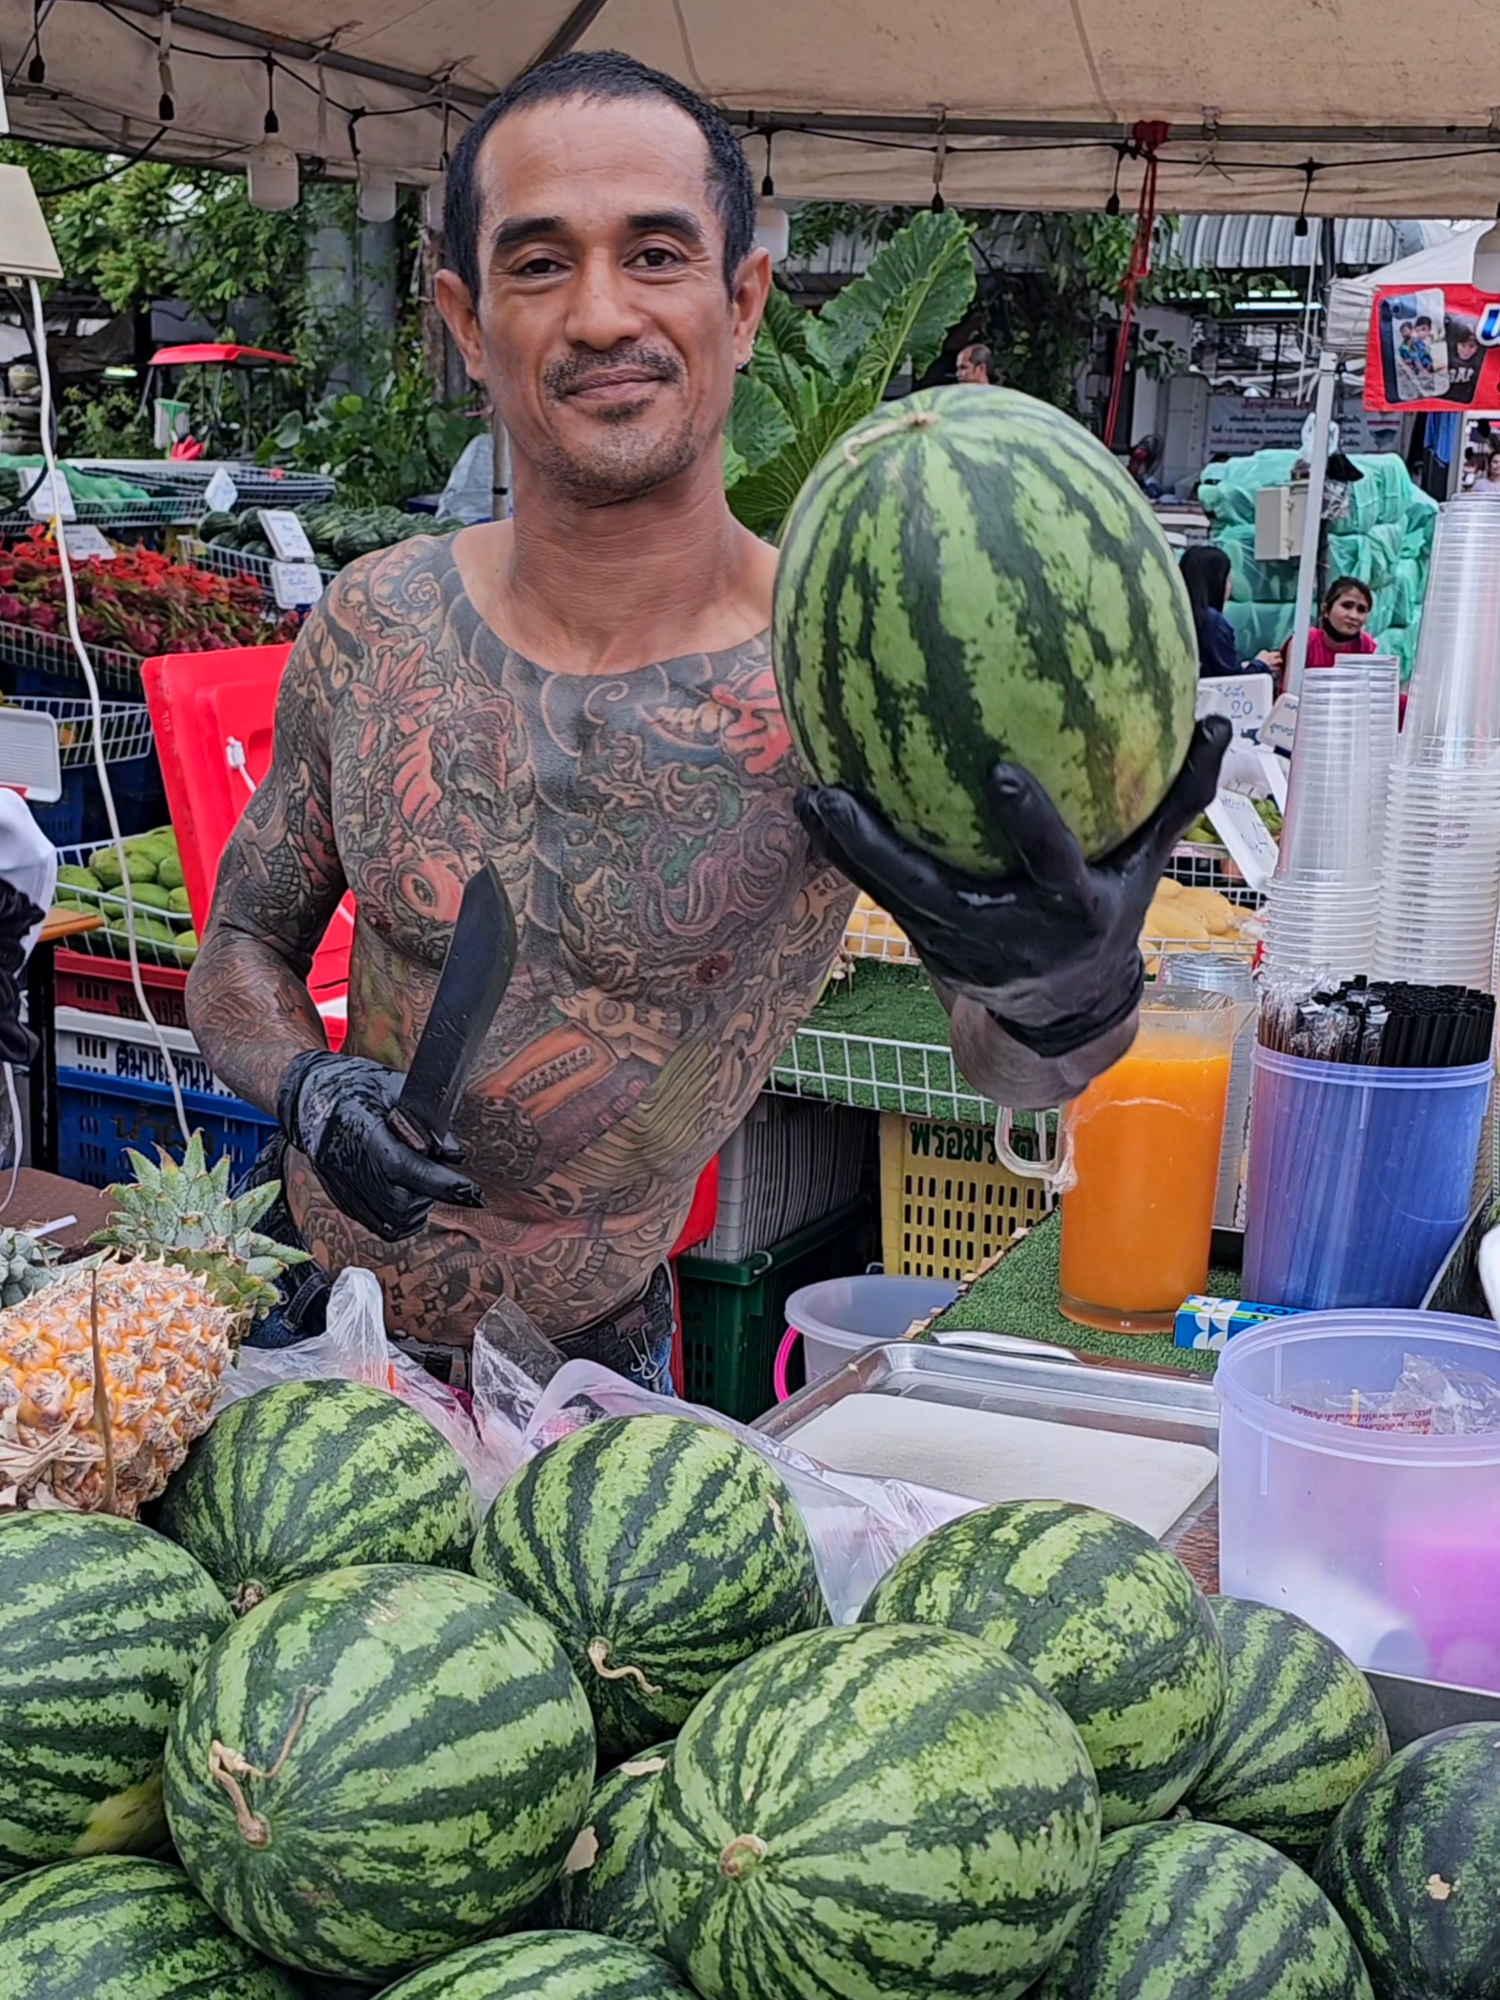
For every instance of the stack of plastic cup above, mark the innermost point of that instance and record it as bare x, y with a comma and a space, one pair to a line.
1219, 972
1440, 882
1321, 917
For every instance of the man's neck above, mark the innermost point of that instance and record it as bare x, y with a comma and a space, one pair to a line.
604, 589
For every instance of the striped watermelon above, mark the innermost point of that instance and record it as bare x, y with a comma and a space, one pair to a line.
376, 1766
877, 1813
545, 1965
1108, 1621
1191, 1912
969, 575
662, 1551
313, 1476
1300, 1732
101, 1624
606, 1883
120, 1928
1413, 1862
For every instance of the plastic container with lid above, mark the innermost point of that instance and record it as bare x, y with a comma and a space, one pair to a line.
841, 1317
1382, 1535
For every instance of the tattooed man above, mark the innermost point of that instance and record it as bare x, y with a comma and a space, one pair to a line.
584, 694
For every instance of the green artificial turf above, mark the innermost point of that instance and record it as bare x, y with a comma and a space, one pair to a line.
1019, 1296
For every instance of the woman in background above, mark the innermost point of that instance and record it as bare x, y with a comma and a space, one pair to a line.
1346, 608
1206, 572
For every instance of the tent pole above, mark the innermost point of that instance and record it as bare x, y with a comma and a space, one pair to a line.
1307, 568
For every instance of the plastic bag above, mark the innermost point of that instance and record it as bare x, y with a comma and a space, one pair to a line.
355, 1349
858, 1525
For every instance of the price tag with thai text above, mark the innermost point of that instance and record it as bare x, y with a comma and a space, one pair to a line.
296, 585
286, 534
53, 499
84, 541
221, 492
1234, 819
1279, 730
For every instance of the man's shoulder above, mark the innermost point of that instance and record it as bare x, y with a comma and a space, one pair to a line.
403, 584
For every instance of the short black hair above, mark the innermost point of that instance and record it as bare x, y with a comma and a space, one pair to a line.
601, 76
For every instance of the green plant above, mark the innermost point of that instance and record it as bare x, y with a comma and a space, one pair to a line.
381, 447
812, 376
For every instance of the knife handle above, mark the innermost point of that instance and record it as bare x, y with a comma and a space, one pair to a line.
410, 1133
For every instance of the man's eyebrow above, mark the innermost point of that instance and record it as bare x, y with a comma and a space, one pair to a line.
524, 229
670, 222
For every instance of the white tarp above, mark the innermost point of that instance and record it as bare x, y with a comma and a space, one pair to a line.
1026, 104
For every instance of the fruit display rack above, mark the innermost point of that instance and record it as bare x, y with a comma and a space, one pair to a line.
114, 516
187, 479
1205, 865
127, 731
877, 1075
51, 653
236, 562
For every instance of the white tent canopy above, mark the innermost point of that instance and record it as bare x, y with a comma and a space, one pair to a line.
1361, 110
1351, 300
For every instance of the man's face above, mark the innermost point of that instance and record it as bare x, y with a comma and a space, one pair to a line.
603, 328
971, 368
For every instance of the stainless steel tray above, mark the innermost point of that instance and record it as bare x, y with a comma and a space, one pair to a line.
994, 1372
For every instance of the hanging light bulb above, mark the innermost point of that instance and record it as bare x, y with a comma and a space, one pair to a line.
271, 123
36, 69
1299, 227
1112, 206
272, 177
166, 108
767, 185
773, 230
377, 197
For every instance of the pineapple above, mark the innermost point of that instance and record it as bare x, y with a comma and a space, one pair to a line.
152, 1322
155, 1337
187, 1215
26, 1264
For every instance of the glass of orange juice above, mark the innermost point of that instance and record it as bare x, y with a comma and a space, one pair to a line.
1136, 1227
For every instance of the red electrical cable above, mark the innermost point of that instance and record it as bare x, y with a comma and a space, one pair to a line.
1149, 137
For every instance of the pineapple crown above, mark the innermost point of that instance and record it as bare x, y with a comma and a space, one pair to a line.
186, 1215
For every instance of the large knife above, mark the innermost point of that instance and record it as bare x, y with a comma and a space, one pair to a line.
476, 971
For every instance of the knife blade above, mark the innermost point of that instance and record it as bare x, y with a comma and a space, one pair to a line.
477, 969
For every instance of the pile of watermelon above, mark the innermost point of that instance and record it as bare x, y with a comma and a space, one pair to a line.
321, 1733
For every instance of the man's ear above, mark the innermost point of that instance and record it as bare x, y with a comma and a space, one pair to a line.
752, 286
451, 295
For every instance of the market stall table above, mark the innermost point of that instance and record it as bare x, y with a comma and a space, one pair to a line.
59, 926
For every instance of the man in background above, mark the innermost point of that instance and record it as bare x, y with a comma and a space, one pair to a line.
974, 364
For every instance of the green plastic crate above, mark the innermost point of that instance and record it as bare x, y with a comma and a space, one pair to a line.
734, 1315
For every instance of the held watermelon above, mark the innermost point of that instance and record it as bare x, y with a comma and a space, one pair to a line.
969, 575
662, 1551
1109, 1622
101, 1625
313, 1476
876, 1813
1300, 1732
377, 1766
120, 1928
1413, 1863
606, 1880
545, 1965
1191, 1912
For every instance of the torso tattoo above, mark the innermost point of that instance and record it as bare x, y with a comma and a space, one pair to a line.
674, 928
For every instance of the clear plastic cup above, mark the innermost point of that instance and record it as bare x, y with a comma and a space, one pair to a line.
1453, 709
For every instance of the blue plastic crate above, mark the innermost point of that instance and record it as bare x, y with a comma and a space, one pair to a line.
101, 1117
64, 821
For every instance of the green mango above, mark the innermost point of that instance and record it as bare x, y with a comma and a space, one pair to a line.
140, 864
81, 879
105, 868
149, 895
169, 874
178, 904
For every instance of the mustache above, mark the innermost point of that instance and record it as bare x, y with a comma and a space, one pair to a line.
561, 377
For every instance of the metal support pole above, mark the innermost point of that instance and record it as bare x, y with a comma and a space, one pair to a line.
1307, 568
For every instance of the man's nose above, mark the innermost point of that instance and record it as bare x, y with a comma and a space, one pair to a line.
602, 313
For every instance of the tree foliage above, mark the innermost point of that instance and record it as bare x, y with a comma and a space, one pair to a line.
812, 376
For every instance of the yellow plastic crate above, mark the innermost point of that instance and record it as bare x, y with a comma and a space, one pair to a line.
946, 1203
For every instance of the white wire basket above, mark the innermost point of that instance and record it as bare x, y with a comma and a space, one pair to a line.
870, 933
238, 562
111, 905
874, 1075
52, 653
154, 512
127, 729
1199, 865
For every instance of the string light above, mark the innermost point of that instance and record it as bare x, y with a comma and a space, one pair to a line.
271, 123
1299, 227
768, 186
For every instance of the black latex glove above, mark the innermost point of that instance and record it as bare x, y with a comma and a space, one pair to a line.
1052, 950
334, 1109
18, 915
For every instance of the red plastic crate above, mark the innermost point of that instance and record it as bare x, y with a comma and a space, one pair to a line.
102, 986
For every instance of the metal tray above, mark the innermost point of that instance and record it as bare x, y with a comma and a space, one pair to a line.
996, 1372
